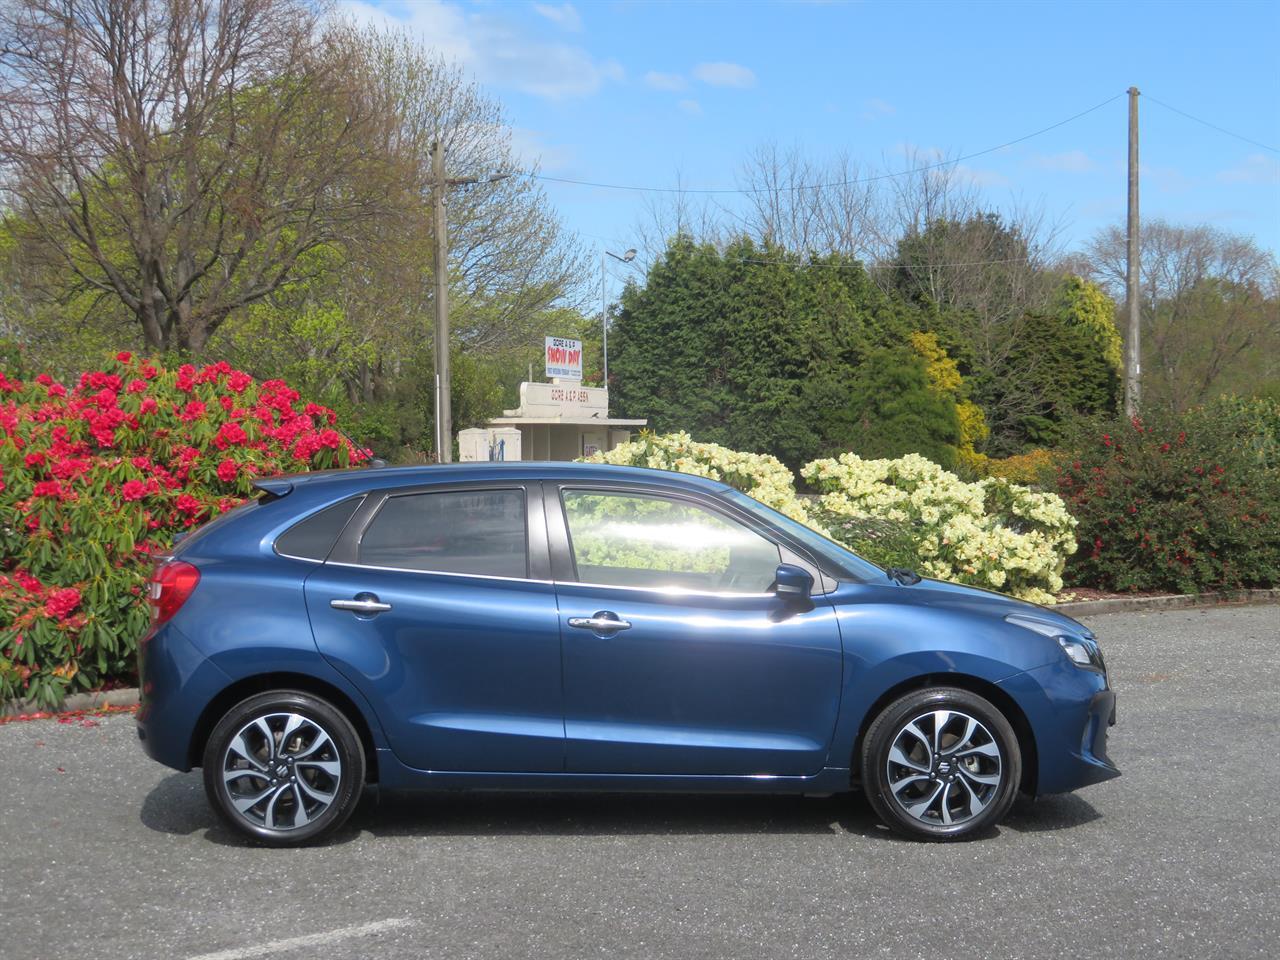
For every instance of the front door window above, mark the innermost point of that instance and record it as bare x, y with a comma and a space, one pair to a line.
633, 540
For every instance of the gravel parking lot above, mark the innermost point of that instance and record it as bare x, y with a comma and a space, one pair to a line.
106, 854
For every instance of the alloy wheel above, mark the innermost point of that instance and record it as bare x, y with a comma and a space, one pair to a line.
944, 767
281, 771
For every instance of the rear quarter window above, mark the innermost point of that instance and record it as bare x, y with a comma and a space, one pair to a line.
314, 537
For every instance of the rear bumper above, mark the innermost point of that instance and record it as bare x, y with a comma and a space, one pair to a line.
176, 682
1071, 711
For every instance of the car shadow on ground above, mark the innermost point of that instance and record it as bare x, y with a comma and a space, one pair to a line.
177, 805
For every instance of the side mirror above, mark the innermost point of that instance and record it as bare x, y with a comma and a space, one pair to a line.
792, 582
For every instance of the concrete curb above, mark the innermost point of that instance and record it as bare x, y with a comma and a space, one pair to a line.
122, 697
1092, 608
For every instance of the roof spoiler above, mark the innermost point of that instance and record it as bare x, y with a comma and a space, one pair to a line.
274, 487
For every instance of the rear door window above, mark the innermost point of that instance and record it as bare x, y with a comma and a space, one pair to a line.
472, 532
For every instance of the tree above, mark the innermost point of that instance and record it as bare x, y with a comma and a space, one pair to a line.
892, 408
1210, 310
184, 156
753, 348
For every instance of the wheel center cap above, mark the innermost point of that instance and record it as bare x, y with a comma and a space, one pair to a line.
944, 766
282, 770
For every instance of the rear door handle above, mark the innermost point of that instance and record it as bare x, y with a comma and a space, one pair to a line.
602, 622
361, 605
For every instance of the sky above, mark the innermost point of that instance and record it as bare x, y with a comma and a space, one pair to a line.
665, 94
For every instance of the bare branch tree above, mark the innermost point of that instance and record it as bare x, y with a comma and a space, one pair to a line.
182, 156
1209, 305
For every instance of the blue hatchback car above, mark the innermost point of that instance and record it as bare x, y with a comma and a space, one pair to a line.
540, 626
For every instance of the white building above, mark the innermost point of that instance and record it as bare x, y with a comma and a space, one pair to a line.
555, 421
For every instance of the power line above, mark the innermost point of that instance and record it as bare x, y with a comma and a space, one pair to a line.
819, 186
1211, 126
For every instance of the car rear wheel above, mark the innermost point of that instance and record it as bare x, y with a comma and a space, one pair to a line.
941, 764
284, 767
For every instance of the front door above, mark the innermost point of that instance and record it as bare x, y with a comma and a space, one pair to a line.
678, 657
428, 605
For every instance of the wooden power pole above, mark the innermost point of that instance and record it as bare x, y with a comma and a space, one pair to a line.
440, 268
1133, 303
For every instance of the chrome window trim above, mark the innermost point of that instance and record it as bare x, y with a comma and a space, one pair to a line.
436, 573
664, 591
290, 556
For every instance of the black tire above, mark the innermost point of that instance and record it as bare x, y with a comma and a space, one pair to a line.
968, 774
306, 783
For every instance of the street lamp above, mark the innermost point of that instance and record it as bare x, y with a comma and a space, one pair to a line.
604, 309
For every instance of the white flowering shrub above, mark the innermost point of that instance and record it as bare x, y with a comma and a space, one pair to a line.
757, 475
993, 533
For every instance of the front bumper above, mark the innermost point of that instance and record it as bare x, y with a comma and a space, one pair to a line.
1071, 711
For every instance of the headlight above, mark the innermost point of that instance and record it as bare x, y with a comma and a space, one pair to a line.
1076, 650
1079, 645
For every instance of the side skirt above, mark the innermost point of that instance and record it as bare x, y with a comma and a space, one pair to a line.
393, 775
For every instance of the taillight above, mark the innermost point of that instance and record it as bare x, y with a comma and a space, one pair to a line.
168, 589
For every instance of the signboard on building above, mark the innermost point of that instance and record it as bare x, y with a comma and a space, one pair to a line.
564, 358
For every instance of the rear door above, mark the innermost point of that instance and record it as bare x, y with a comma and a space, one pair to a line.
436, 603
678, 657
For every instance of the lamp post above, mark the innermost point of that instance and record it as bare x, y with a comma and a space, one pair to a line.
604, 308
440, 267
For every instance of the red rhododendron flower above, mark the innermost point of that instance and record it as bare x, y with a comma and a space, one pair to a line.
89, 470
133, 490
124, 356
230, 434
62, 602
194, 410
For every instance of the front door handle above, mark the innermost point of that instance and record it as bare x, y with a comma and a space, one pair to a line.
602, 622
366, 605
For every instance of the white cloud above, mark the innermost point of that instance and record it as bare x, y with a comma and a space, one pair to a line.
494, 48
1165, 179
531, 150
665, 81
875, 108
691, 107
981, 178
1255, 168
1073, 161
564, 15
725, 75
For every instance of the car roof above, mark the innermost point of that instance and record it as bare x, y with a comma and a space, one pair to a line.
341, 482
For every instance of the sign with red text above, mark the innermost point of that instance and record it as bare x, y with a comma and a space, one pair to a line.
564, 358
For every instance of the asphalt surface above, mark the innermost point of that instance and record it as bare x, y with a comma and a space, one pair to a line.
106, 854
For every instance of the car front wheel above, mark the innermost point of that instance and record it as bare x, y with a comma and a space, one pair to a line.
284, 767
941, 764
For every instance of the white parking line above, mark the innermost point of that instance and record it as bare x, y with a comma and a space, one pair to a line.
310, 940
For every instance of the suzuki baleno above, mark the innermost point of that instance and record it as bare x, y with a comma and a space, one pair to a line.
537, 626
